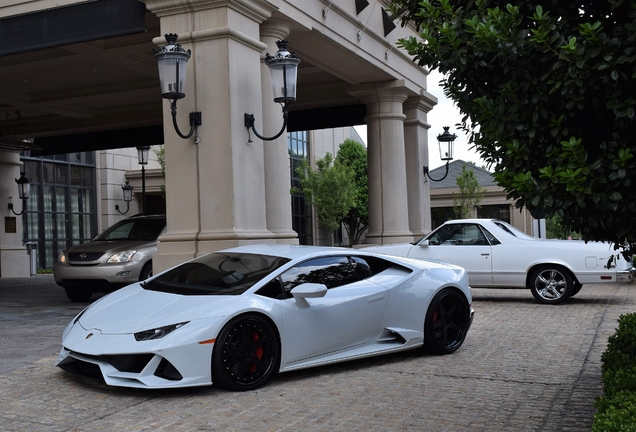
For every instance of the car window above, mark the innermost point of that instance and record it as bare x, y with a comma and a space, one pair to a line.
333, 272
491, 238
458, 235
216, 274
513, 231
134, 229
330, 271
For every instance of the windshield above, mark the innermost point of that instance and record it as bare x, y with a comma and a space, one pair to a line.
216, 274
134, 229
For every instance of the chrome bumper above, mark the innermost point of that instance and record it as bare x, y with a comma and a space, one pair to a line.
625, 275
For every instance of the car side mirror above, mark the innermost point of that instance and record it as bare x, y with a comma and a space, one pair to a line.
423, 243
308, 290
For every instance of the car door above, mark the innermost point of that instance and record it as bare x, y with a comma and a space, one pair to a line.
348, 315
462, 244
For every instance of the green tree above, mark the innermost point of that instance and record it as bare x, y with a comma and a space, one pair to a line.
330, 189
161, 158
354, 155
470, 193
555, 229
548, 94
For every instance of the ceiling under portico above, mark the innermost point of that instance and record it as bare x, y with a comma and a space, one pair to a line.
104, 93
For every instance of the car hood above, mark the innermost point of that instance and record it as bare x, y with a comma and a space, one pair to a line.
132, 309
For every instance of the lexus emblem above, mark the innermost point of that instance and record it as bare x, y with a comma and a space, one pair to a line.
88, 336
83, 256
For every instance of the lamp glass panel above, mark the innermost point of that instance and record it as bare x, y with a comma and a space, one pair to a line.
172, 75
446, 150
23, 190
127, 193
284, 81
142, 154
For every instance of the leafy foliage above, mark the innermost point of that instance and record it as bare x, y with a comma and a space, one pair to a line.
548, 92
330, 189
161, 158
353, 154
470, 193
616, 409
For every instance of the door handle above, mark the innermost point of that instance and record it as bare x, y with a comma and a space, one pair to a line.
485, 254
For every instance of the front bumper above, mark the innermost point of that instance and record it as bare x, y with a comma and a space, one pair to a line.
120, 361
119, 274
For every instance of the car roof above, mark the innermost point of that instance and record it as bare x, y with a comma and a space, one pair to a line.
474, 220
294, 251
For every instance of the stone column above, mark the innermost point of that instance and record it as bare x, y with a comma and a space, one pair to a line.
276, 156
388, 203
215, 193
416, 150
14, 259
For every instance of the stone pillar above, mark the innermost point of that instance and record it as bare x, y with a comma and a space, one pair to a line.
276, 156
14, 259
416, 150
388, 203
215, 193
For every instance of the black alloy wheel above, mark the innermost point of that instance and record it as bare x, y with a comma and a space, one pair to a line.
447, 322
245, 354
551, 284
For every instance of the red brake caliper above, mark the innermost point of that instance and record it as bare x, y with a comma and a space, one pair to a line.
258, 353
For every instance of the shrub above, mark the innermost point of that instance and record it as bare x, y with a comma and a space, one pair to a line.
616, 409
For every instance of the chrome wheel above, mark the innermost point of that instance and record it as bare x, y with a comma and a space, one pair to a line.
550, 285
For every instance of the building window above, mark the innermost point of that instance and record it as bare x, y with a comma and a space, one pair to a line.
298, 147
501, 212
61, 210
439, 215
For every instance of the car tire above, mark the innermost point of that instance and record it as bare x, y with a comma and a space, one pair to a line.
146, 271
245, 354
78, 295
576, 289
550, 284
447, 321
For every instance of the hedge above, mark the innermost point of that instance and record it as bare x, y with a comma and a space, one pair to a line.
616, 409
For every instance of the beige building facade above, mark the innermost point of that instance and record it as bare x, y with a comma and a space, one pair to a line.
494, 202
94, 87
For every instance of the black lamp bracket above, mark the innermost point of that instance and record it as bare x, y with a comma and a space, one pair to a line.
195, 120
249, 124
13, 211
426, 172
121, 212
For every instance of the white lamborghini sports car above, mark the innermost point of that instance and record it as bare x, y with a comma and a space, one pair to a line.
234, 317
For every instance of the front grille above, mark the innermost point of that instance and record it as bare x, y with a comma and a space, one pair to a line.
167, 371
85, 256
134, 363
82, 368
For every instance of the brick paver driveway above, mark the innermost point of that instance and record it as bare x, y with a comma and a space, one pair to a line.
524, 366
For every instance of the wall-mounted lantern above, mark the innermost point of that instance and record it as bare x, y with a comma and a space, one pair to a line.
172, 61
24, 189
445, 142
284, 70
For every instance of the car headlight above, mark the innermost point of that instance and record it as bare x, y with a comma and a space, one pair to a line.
62, 257
157, 333
125, 256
